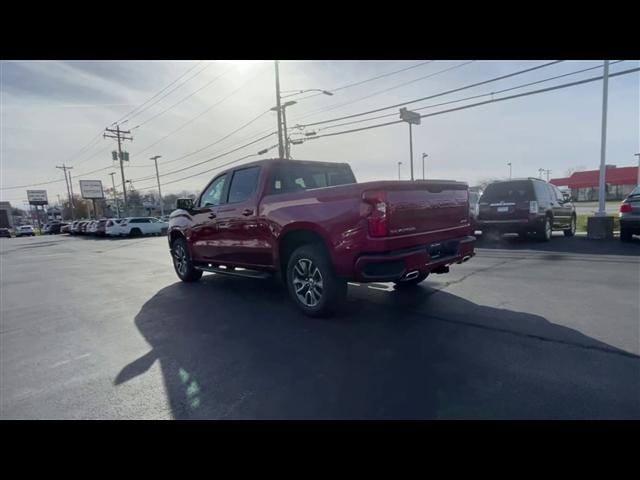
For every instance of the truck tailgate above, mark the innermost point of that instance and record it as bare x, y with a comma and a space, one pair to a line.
426, 206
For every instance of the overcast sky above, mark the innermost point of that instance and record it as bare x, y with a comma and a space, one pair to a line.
50, 110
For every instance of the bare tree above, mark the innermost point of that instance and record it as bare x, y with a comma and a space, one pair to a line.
572, 170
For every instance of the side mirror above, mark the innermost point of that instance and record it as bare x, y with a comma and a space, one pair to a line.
566, 197
184, 204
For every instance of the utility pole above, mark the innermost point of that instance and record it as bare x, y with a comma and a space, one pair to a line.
155, 159
115, 196
280, 142
424, 155
510, 175
399, 163
64, 168
120, 135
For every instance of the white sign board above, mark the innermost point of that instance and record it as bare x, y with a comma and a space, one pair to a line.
91, 189
37, 197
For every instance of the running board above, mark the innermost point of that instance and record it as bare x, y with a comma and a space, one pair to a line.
235, 273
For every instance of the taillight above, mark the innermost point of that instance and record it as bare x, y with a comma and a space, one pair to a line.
533, 206
377, 217
625, 208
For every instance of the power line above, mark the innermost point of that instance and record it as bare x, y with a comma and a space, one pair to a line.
495, 79
209, 159
533, 92
387, 115
161, 91
370, 79
186, 98
225, 98
217, 167
339, 105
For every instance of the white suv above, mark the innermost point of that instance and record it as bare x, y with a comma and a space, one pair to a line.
112, 227
136, 226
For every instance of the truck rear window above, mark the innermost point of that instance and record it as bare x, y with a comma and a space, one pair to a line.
297, 177
508, 191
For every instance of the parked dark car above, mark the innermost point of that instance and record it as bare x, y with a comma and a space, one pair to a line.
312, 223
5, 232
630, 215
53, 228
523, 206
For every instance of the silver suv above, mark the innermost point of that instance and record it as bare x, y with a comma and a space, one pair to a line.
630, 215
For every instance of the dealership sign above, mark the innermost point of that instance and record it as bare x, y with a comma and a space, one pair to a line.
91, 189
37, 197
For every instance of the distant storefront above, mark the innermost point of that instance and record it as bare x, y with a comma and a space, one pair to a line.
584, 186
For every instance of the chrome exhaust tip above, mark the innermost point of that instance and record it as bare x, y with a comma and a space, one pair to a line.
411, 275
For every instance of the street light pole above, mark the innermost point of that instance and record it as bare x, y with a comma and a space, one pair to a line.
603, 143
638, 155
399, 163
510, 175
115, 196
411, 149
155, 159
424, 155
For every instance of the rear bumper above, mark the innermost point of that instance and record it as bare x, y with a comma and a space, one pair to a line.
630, 224
394, 265
512, 225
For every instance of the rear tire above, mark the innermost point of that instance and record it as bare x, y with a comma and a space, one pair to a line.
625, 235
544, 234
182, 262
312, 284
412, 283
571, 231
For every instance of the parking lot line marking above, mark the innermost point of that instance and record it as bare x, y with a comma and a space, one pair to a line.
64, 362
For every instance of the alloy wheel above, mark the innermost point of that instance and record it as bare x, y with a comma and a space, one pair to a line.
307, 282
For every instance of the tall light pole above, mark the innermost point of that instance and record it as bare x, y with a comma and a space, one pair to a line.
115, 196
424, 155
638, 155
399, 163
155, 159
603, 143
510, 176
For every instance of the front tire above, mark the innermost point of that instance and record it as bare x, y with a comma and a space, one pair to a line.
571, 231
413, 282
311, 282
182, 262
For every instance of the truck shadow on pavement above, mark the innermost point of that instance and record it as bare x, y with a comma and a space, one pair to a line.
236, 348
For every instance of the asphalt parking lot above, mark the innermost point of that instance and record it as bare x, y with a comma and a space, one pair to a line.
103, 329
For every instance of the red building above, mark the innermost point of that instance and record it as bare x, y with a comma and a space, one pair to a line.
584, 185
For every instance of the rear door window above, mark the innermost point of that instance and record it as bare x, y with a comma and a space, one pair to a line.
300, 176
243, 184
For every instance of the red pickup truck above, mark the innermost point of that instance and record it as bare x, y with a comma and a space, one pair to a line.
315, 226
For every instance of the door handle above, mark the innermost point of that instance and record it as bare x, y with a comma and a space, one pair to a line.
247, 211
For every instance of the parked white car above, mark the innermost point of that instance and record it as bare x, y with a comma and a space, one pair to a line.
136, 226
25, 231
112, 227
